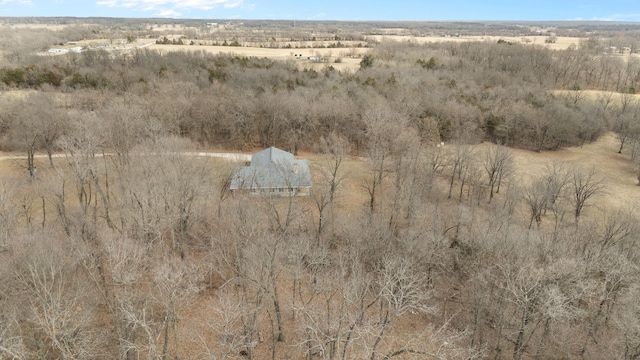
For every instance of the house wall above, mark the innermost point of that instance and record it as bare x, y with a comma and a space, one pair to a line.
280, 192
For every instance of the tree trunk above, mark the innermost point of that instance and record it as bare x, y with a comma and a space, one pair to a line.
380, 334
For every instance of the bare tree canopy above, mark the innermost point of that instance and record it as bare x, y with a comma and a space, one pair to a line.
459, 207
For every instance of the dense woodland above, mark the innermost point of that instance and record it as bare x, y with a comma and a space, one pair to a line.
417, 243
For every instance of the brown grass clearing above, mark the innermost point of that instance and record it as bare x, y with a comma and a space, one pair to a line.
350, 196
561, 43
349, 57
346, 63
18, 167
596, 95
617, 170
622, 188
16, 94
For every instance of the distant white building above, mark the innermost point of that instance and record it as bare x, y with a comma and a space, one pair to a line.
58, 51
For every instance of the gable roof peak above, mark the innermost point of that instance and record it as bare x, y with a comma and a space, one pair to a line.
270, 155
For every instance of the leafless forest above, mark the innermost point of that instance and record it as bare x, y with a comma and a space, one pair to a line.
420, 239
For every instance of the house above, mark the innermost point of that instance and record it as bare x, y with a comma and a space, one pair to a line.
273, 172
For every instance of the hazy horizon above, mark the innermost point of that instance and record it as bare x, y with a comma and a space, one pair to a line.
375, 10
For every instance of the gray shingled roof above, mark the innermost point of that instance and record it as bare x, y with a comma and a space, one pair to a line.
272, 168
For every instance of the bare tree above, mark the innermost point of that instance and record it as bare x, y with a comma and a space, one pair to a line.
401, 290
626, 127
226, 325
405, 183
605, 98
547, 193
60, 314
384, 129
37, 123
575, 95
498, 165
616, 274
337, 149
460, 156
176, 283
331, 312
536, 198
627, 323
469, 173
8, 212
627, 99
81, 144
119, 273
523, 288
585, 184
618, 227
127, 126
12, 346
167, 193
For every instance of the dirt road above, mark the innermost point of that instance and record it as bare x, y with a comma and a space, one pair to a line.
235, 157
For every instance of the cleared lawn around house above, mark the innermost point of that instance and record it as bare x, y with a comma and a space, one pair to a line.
619, 173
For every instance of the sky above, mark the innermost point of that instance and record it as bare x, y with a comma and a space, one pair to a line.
538, 10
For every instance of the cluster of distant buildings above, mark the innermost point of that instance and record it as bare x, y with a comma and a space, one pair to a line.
79, 49
624, 49
75, 49
312, 57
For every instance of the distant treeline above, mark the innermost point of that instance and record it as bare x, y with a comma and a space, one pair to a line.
467, 92
34, 77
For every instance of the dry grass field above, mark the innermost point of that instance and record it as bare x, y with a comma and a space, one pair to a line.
349, 57
560, 44
350, 63
597, 95
619, 173
17, 93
